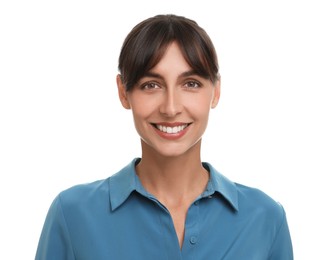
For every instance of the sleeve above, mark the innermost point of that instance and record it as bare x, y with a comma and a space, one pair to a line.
55, 243
282, 246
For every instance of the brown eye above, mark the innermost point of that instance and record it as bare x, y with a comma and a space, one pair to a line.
150, 85
192, 84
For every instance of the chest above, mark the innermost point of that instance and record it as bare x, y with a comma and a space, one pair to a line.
147, 230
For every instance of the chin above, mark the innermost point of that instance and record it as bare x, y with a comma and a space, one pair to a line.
171, 151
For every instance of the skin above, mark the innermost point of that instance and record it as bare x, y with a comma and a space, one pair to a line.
172, 95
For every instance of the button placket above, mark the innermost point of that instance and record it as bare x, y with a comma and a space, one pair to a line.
193, 240
192, 226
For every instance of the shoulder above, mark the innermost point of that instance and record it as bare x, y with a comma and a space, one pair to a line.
259, 203
267, 217
84, 193
97, 193
245, 199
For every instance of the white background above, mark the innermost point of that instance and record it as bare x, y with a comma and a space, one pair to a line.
61, 122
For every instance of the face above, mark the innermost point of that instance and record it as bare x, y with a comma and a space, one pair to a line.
170, 105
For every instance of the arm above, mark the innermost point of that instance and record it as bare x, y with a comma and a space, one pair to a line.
55, 243
282, 247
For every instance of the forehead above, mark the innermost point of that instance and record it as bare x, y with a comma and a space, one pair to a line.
173, 60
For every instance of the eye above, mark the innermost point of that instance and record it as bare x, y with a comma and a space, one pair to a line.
192, 84
150, 85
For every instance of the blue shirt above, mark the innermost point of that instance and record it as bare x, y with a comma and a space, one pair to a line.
118, 219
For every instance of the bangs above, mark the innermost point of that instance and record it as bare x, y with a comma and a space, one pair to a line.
148, 41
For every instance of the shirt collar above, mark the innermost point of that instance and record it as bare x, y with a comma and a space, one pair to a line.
222, 185
124, 182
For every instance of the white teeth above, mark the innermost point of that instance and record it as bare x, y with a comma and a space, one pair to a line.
171, 130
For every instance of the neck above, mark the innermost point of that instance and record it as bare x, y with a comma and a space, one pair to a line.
172, 177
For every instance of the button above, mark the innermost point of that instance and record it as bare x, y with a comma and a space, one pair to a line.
196, 203
193, 240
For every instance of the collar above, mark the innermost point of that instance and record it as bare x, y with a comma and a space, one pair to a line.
126, 181
218, 183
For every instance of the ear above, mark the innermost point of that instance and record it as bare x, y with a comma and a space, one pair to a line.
216, 95
122, 93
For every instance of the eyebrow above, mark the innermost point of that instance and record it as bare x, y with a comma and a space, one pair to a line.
182, 75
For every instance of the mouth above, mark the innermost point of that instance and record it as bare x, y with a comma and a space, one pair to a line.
174, 129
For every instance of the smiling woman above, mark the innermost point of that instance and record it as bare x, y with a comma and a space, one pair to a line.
167, 204
170, 97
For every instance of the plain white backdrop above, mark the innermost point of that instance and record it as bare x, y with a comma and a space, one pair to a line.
61, 122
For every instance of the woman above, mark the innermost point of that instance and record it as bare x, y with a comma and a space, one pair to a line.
168, 204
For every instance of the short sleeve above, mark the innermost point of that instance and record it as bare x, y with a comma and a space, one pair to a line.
282, 246
54, 243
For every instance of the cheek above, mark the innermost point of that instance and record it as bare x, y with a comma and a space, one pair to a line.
142, 107
199, 105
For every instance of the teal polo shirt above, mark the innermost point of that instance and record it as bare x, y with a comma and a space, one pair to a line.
117, 219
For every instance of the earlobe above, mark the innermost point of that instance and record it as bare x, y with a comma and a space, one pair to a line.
122, 93
216, 96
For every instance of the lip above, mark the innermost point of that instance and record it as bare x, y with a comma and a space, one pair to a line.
171, 136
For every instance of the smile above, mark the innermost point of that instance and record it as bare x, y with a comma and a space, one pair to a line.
171, 129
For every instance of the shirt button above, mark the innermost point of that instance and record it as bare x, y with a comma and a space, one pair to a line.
196, 203
193, 240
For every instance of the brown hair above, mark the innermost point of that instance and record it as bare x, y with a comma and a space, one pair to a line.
147, 42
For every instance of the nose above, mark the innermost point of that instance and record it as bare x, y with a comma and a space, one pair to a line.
171, 104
